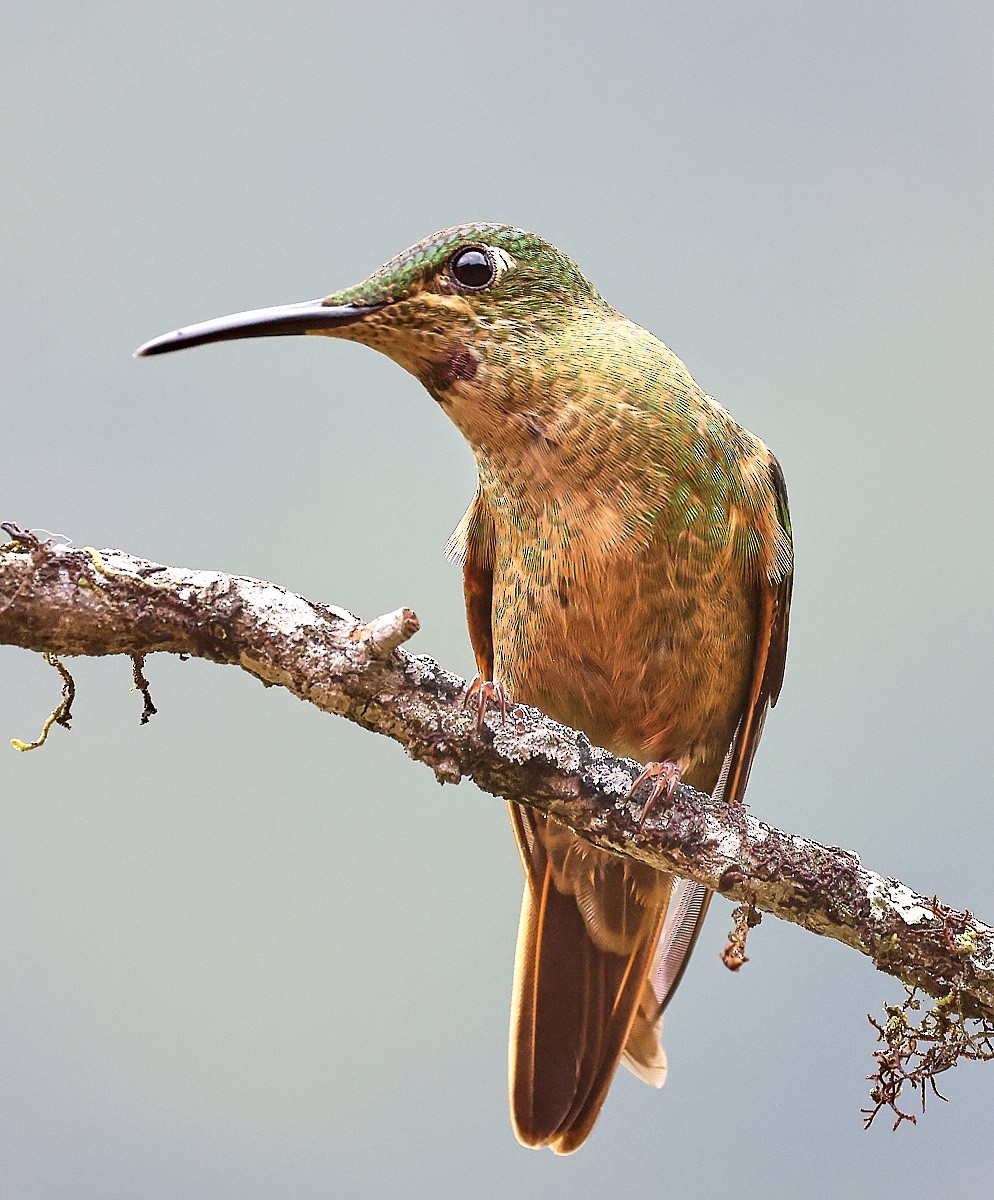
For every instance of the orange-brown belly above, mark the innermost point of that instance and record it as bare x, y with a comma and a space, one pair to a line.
649, 653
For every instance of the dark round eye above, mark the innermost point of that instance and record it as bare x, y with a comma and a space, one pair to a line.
472, 267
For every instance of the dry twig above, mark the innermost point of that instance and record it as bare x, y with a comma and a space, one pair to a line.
61, 601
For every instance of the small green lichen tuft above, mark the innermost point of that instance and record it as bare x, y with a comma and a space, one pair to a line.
915, 1050
966, 943
61, 714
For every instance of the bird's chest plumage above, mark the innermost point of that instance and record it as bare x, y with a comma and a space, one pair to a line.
645, 643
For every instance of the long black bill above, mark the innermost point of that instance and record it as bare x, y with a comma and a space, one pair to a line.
282, 321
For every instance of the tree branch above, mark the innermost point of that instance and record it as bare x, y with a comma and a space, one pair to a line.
63, 601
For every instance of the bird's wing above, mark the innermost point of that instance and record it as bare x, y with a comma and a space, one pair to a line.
773, 608
590, 923
472, 545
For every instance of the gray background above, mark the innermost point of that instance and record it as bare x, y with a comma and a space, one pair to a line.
249, 951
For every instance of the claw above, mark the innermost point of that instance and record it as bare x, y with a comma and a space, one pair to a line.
485, 692
666, 779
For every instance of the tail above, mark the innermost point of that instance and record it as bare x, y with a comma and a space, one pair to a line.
590, 925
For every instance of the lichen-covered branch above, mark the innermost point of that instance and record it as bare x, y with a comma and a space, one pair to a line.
63, 601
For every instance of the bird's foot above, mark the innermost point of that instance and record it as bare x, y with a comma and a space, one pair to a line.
665, 778
483, 693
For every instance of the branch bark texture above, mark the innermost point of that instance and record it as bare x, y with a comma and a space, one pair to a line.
64, 601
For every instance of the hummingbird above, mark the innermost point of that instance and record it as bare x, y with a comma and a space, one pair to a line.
627, 568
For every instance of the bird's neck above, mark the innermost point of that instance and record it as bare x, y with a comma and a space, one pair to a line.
603, 422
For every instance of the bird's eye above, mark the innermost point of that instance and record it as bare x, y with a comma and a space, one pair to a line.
473, 267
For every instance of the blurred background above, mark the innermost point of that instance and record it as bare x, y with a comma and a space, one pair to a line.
251, 951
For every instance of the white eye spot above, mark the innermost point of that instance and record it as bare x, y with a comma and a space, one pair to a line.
502, 260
